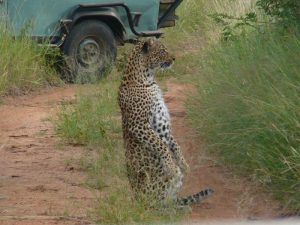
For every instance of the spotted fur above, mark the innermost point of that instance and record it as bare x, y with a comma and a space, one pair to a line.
155, 163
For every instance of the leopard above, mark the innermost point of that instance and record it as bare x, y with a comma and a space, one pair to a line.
155, 163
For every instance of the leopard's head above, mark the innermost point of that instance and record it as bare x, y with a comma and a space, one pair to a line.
155, 55
146, 57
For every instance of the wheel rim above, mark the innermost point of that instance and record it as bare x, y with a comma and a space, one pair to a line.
88, 54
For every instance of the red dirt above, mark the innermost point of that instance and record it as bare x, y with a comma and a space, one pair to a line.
37, 187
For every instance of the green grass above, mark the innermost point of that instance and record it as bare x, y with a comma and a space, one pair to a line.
94, 121
247, 109
23, 67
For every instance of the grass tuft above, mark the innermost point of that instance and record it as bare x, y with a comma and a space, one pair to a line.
23, 66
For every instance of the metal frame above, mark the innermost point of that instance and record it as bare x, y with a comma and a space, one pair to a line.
132, 21
171, 9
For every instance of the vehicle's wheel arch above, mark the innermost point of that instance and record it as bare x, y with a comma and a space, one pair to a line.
109, 18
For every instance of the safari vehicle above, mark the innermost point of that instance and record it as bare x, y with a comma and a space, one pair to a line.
88, 31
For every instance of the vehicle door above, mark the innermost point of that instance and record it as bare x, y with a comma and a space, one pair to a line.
3, 12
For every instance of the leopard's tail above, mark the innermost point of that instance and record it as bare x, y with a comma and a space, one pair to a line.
195, 198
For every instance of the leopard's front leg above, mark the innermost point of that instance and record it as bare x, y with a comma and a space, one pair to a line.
177, 155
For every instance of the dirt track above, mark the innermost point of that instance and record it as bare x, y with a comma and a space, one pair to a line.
36, 186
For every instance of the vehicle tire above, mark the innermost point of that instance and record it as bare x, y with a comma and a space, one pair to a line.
89, 51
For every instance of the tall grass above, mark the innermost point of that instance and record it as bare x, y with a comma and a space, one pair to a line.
195, 26
247, 106
22, 65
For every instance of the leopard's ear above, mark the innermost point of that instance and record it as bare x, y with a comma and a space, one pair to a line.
147, 45
150, 41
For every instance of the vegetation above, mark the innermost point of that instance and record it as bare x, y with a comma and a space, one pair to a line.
23, 65
248, 100
287, 11
247, 105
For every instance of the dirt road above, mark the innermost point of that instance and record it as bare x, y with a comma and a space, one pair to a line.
37, 187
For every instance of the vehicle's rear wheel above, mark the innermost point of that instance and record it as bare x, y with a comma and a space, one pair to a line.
90, 49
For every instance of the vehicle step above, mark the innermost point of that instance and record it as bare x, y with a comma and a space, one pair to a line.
66, 21
156, 33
